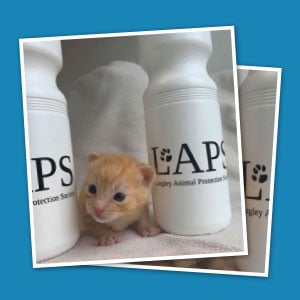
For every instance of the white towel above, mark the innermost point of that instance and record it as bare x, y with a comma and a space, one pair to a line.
106, 113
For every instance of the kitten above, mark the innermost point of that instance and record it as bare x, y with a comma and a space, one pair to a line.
115, 195
214, 263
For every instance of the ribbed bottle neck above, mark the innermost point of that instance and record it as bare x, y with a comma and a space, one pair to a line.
183, 95
46, 104
259, 98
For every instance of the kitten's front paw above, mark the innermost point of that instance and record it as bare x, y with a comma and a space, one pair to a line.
185, 263
150, 230
109, 239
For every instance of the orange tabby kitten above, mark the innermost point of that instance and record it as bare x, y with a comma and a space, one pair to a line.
115, 195
213, 263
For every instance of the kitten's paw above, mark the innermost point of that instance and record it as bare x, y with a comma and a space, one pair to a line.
150, 230
185, 263
109, 239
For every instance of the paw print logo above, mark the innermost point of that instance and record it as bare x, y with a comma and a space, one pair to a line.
258, 174
165, 155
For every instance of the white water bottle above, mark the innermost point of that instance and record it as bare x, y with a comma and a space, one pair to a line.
55, 219
257, 109
184, 134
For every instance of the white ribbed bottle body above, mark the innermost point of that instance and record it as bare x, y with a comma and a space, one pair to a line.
257, 108
184, 135
55, 217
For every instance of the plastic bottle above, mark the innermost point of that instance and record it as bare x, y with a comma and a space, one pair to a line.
257, 110
54, 220
184, 134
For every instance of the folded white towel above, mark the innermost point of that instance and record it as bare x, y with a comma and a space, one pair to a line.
106, 113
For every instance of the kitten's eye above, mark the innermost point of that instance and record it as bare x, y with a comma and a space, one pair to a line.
119, 197
92, 189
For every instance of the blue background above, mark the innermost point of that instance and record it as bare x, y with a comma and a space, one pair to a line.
266, 35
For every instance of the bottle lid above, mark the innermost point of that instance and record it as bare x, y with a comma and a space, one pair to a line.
176, 63
154, 42
50, 49
42, 62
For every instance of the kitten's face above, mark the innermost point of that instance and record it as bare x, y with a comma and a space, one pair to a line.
115, 186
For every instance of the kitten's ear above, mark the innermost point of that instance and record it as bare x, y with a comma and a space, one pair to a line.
93, 156
148, 174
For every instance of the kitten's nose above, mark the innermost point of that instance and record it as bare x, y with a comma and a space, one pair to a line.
99, 210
